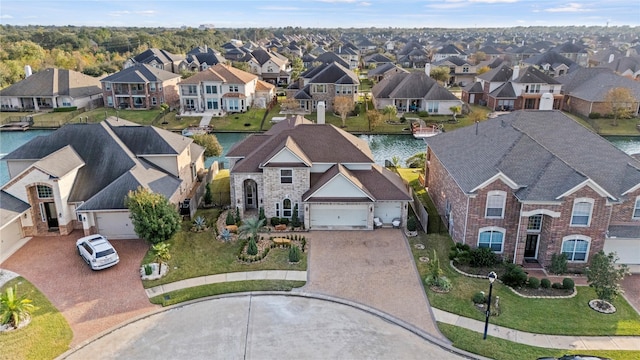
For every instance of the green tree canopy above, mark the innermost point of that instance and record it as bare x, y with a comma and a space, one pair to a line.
210, 143
604, 276
440, 74
154, 218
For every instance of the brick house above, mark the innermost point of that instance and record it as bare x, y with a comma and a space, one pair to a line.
461, 70
577, 193
140, 86
323, 83
297, 163
64, 181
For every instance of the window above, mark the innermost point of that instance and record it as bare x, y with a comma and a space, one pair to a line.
277, 209
636, 209
581, 215
190, 90
212, 104
154, 101
152, 86
159, 86
576, 248
286, 176
286, 208
107, 86
110, 101
432, 106
465, 69
551, 89
495, 204
44, 192
232, 104
211, 89
233, 88
491, 238
535, 223
318, 88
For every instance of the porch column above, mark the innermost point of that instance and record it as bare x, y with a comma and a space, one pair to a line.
35, 104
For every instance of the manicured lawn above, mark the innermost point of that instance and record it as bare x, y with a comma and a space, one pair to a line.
220, 188
47, 336
198, 254
249, 121
569, 316
179, 296
625, 127
10, 114
500, 349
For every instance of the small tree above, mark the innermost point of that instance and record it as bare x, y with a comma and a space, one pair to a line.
161, 254
455, 110
14, 308
294, 254
343, 105
375, 118
210, 143
208, 196
440, 74
252, 249
604, 276
295, 219
620, 103
390, 110
261, 215
237, 216
395, 161
250, 227
417, 161
152, 216
230, 220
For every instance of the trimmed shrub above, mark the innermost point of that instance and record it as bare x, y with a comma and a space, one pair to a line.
252, 249
545, 283
275, 221
514, 276
594, 115
261, 215
533, 282
65, 109
423, 113
148, 269
284, 221
294, 254
230, 218
483, 257
444, 284
558, 264
412, 224
479, 298
568, 284
237, 216
295, 220
556, 285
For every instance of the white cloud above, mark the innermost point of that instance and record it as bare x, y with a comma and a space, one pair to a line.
493, 1
146, 12
278, 8
365, 3
448, 4
337, 1
118, 13
4, 16
570, 7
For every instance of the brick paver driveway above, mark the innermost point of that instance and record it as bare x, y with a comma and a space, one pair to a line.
631, 286
91, 301
373, 268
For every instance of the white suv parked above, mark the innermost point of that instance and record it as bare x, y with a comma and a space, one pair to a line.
97, 252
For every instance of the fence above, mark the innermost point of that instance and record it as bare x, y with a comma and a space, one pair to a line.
418, 208
196, 198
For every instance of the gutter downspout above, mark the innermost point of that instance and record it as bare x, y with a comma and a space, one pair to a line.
515, 251
466, 220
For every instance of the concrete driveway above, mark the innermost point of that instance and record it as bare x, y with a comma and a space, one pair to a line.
91, 301
374, 268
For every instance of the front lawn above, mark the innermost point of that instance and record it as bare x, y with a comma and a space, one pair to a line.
46, 337
545, 316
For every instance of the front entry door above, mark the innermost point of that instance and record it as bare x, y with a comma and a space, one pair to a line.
52, 215
250, 191
531, 246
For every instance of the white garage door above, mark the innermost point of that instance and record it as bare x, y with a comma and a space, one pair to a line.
628, 250
10, 236
387, 211
338, 216
115, 225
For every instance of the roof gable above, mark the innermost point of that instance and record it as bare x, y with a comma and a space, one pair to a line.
339, 183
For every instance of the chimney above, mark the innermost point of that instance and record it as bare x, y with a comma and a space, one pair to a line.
546, 102
320, 108
516, 72
611, 57
340, 49
206, 48
427, 69
27, 71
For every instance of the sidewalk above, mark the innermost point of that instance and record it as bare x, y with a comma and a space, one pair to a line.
228, 277
542, 340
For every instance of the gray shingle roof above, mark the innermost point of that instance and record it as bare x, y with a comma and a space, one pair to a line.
140, 73
500, 74
593, 84
560, 154
51, 81
415, 85
335, 73
10, 207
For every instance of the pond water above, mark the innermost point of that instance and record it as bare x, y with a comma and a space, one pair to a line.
383, 147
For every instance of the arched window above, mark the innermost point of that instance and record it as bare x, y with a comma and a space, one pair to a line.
636, 209
287, 208
495, 204
576, 247
492, 238
44, 192
581, 215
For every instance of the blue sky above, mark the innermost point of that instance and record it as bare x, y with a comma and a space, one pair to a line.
322, 13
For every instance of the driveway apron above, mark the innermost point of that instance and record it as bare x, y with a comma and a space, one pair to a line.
373, 268
90, 301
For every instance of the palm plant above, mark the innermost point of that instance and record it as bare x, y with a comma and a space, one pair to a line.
250, 227
161, 254
14, 308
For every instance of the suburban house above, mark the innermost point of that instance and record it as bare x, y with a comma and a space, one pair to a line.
531, 184
200, 58
51, 88
506, 89
585, 90
552, 63
448, 51
140, 86
323, 83
575, 52
269, 66
376, 60
627, 66
412, 92
295, 164
382, 71
349, 55
157, 58
220, 89
461, 71
63, 181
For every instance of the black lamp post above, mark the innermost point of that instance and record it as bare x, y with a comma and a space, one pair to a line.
492, 277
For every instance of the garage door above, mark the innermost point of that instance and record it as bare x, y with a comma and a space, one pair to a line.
628, 250
10, 236
338, 216
116, 225
388, 211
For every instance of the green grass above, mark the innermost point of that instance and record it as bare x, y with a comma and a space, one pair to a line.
220, 188
179, 296
47, 336
625, 127
500, 349
570, 316
236, 122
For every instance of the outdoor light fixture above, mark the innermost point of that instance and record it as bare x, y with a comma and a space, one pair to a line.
492, 277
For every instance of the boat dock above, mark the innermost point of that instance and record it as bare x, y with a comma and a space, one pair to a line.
16, 126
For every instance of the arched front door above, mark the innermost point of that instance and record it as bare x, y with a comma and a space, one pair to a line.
250, 194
